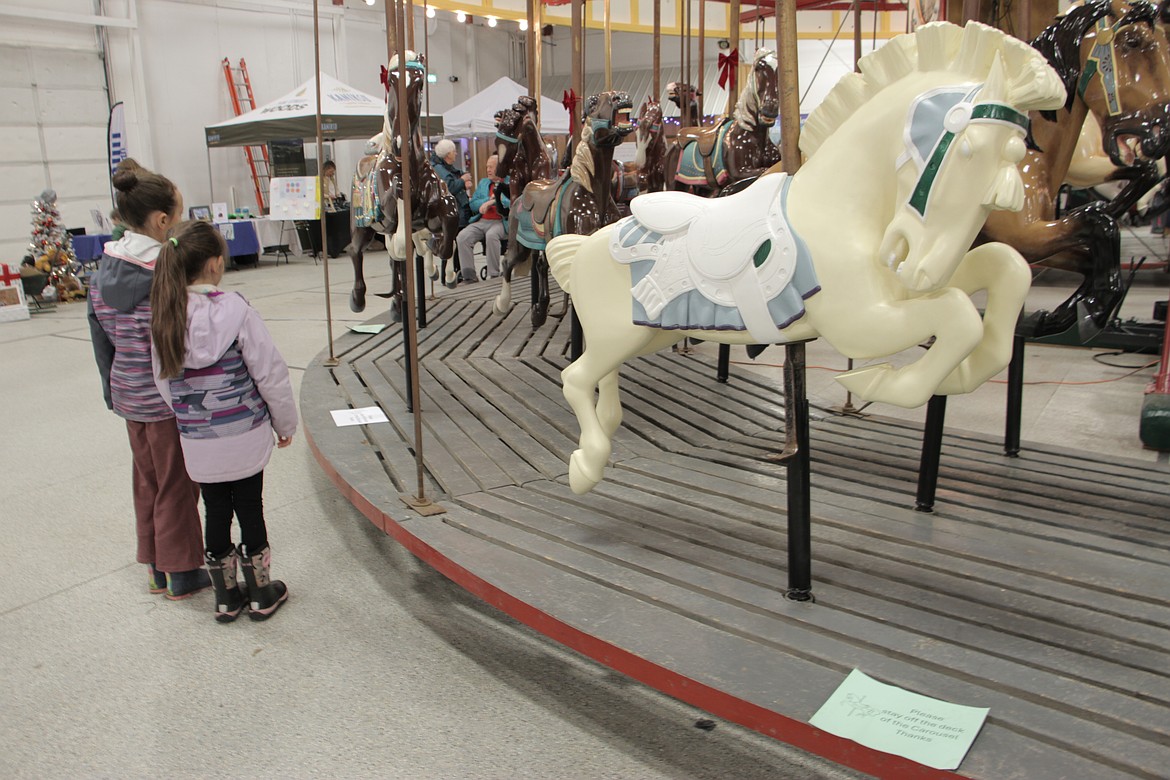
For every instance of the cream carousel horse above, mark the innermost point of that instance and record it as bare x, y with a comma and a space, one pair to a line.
868, 245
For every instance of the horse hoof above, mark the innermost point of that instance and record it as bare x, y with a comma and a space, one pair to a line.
579, 481
865, 382
357, 303
434, 276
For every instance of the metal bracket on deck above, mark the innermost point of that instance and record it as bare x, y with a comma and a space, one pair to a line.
424, 506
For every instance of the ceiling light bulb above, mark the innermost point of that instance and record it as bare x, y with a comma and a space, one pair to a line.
460, 17
523, 24
430, 12
491, 21
369, 2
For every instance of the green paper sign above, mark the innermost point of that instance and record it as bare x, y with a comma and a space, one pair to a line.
887, 718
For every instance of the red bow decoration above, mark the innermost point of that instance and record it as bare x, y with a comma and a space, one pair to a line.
727, 65
386, 79
569, 101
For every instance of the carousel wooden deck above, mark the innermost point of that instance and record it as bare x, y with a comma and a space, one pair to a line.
1038, 588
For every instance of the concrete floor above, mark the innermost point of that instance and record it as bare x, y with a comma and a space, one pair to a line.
377, 667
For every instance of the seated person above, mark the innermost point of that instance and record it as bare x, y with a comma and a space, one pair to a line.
458, 183
334, 198
486, 225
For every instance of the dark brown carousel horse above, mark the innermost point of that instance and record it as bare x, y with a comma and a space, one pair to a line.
580, 201
707, 159
1115, 64
521, 149
377, 195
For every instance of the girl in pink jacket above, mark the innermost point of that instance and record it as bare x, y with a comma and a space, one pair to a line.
217, 367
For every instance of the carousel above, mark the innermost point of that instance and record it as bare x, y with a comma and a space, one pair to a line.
558, 451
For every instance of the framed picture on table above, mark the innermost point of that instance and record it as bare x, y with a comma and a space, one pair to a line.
200, 212
219, 212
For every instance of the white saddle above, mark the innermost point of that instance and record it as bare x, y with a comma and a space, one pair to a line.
737, 251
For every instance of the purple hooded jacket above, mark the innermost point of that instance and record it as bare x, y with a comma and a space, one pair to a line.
234, 390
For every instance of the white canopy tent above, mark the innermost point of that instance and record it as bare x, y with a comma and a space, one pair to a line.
345, 113
476, 115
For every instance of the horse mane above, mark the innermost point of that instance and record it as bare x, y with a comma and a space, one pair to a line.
582, 167
1060, 43
749, 99
968, 52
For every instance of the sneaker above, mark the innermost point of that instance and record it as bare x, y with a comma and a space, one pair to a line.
184, 584
156, 580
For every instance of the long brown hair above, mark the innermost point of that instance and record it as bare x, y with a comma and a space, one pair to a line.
141, 193
181, 261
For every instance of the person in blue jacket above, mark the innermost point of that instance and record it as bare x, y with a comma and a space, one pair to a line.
487, 224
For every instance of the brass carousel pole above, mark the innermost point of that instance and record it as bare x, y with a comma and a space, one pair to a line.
658, 50
332, 361
578, 69
536, 80
733, 78
408, 14
798, 464
608, 58
702, 74
856, 35
419, 502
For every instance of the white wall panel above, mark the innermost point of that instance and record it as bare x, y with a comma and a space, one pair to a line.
76, 143
71, 69
14, 67
73, 107
80, 180
23, 182
17, 106
22, 145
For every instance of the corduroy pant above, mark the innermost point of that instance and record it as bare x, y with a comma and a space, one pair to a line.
166, 500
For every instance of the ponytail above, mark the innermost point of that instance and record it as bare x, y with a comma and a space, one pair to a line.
183, 256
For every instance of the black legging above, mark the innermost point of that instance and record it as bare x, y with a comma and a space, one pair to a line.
245, 499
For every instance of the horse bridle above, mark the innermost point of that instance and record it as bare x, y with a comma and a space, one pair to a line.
958, 119
1102, 58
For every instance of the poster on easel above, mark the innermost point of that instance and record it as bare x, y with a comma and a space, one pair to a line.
294, 197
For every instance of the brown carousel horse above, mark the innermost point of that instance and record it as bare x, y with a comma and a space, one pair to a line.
1115, 64
686, 97
645, 173
707, 159
650, 139
377, 195
580, 201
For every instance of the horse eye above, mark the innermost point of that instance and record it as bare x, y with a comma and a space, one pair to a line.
1014, 150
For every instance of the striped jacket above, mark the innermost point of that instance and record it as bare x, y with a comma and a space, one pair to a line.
119, 324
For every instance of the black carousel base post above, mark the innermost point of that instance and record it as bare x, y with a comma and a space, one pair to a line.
936, 412
420, 283
723, 367
798, 473
1015, 399
406, 361
576, 335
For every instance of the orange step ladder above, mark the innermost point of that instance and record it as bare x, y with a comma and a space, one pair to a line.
240, 89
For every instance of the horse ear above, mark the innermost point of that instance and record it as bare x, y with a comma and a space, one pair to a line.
996, 86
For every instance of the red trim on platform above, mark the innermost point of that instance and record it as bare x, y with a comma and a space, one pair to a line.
768, 722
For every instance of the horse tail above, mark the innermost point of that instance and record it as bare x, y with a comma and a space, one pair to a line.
560, 253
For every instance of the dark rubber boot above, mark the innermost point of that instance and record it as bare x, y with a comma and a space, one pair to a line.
185, 584
265, 593
229, 602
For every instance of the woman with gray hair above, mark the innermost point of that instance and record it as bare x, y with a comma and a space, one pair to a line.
458, 184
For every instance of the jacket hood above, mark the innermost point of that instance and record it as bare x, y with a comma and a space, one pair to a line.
125, 280
214, 319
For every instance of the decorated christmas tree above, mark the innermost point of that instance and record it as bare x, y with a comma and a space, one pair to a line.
52, 247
